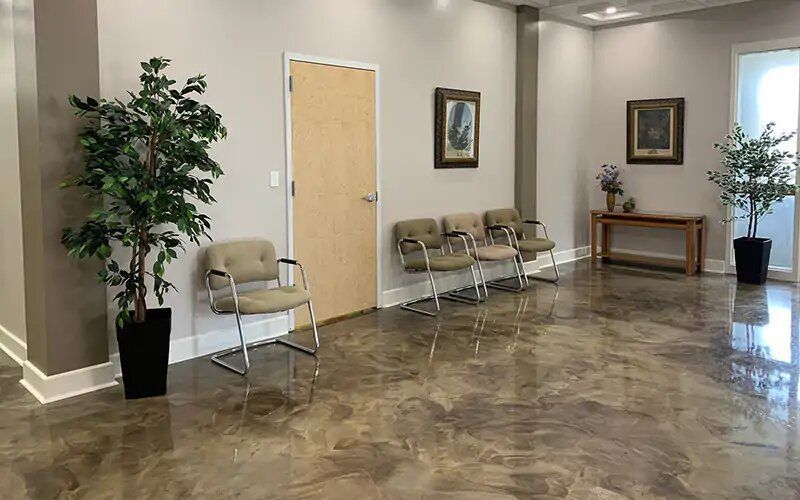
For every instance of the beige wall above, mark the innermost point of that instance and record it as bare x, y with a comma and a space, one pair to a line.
565, 72
12, 304
418, 45
689, 56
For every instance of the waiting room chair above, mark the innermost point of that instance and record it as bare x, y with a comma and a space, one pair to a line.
507, 221
424, 236
229, 265
471, 226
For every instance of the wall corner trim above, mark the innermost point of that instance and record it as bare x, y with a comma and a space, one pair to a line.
13, 346
51, 388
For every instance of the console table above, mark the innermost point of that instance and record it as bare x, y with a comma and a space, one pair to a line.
692, 225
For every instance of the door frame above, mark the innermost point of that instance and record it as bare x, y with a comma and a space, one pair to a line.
288, 57
736, 51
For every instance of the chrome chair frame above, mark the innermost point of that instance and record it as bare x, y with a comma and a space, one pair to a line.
518, 267
218, 357
515, 243
452, 295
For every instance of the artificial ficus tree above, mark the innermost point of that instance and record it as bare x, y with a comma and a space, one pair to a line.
147, 161
757, 174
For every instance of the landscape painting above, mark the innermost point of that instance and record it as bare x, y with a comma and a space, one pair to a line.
457, 126
655, 131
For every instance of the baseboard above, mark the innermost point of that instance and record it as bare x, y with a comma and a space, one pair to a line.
13, 346
492, 271
186, 348
712, 266
50, 388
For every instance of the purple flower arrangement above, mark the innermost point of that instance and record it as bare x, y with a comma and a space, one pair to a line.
609, 179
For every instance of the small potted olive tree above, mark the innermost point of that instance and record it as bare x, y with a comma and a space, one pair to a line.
147, 164
756, 175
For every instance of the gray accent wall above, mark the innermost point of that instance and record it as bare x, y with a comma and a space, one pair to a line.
527, 96
56, 55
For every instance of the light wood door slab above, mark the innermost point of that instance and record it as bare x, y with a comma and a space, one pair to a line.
333, 164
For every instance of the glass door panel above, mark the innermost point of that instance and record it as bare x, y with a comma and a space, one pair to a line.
769, 91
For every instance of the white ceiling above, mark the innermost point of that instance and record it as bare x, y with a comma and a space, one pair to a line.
574, 10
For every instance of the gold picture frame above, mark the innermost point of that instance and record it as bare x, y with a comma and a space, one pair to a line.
655, 131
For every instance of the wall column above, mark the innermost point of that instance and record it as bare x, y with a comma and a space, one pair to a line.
55, 44
527, 95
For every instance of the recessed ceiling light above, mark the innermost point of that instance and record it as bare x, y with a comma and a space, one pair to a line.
611, 10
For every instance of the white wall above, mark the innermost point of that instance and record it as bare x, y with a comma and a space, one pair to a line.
564, 132
419, 45
12, 304
687, 55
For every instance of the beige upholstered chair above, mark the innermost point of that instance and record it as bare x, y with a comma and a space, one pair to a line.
507, 221
229, 265
423, 237
471, 226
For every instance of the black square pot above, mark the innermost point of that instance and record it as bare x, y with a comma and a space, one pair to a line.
752, 259
144, 354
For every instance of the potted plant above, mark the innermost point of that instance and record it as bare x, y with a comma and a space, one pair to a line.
757, 175
610, 184
147, 163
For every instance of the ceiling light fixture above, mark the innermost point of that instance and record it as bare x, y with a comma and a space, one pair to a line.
611, 10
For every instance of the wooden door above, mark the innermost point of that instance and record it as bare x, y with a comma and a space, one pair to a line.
333, 165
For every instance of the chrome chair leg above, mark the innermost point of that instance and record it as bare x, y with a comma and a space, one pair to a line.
218, 358
520, 276
435, 297
457, 296
555, 268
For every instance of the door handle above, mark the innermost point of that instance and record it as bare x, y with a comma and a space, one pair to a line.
371, 197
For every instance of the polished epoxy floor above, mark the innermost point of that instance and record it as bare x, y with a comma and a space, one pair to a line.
620, 383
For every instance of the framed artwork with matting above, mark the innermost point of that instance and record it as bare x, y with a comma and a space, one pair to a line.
456, 128
655, 131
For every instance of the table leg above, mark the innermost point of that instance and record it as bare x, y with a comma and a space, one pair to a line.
606, 239
593, 237
691, 263
701, 251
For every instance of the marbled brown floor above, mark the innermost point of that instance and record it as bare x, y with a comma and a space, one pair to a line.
626, 383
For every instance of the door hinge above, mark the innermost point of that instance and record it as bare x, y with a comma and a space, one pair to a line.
292, 189
291, 83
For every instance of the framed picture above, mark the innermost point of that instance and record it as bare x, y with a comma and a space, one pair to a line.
655, 131
457, 128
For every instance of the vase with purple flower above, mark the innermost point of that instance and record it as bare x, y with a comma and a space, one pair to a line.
610, 184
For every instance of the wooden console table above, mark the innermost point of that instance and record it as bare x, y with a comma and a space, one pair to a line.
692, 225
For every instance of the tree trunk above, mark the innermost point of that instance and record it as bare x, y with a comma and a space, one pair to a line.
141, 306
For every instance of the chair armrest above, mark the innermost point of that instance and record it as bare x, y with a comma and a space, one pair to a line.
510, 233
460, 235
538, 223
412, 241
215, 272
295, 263
231, 283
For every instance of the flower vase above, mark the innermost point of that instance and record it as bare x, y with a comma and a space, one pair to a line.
611, 201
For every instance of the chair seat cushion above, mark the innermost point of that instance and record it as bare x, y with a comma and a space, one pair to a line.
265, 301
452, 262
536, 245
495, 252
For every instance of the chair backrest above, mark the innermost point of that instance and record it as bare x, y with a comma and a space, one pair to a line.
424, 230
246, 261
468, 222
506, 217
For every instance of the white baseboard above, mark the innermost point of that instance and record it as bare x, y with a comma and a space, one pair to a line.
13, 346
50, 388
186, 348
491, 271
712, 266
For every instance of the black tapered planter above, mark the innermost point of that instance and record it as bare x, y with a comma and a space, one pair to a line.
144, 354
752, 259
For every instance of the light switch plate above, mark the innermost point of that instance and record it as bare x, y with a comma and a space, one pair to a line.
274, 179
